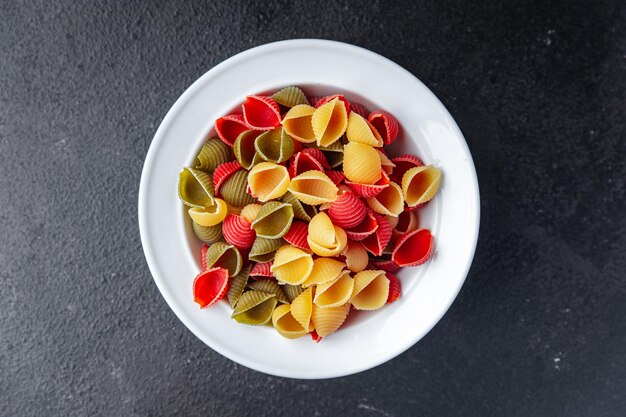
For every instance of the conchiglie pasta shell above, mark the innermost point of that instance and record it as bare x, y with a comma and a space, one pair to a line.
233, 190
327, 320
297, 123
285, 324
420, 184
313, 187
290, 96
292, 265
302, 308
263, 250
211, 215
347, 210
213, 153
254, 308
268, 181
274, 220
361, 163
208, 234
237, 284
329, 122
225, 256
237, 231
292, 291
300, 211
325, 239
389, 201
361, 131
371, 289
195, 188
356, 256
250, 212
244, 149
274, 145
324, 270
270, 287
336, 292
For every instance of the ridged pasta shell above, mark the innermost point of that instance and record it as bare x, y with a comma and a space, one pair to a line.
297, 123
244, 149
347, 210
211, 215
237, 284
262, 270
222, 173
292, 291
371, 289
386, 265
395, 288
385, 124
213, 153
302, 308
356, 256
254, 308
285, 324
370, 190
407, 222
376, 242
268, 180
207, 234
261, 112
325, 239
263, 250
420, 184
313, 187
402, 164
290, 96
229, 127
334, 293
292, 265
226, 256
324, 270
323, 100
385, 162
413, 248
233, 190
195, 188
297, 234
389, 201
327, 320
367, 227
274, 220
303, 162
250, 212
270, 287
361, 131
238, 232
329, 122
300, 211
274, 145
361, 163
210, 286
359, 109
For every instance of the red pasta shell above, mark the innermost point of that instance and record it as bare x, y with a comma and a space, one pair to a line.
386, 265
367, 227
347, 211
395, 288
335, 176
316, 337
222, 172
385, 124
408, 221
203, 252
403, 164
376, 242
413, 248
261, 112
237, 231
210, 286
317, 154
297, 235
303, 162
229, 127
326, 99
262, 270
370, 190
360, 109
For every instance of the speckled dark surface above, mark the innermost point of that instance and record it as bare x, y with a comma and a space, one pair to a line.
538, 89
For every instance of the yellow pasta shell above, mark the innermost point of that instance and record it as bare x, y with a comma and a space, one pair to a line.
211, 215
327, 320
268, 180
385, 162
361, 163
250, 212
302, 308
324, 270
292, 265
356, 256
420, 184
313, 187
336, 292
329, 122
285, 324
297, 123
390, 201
361, 131
371, 290
325, 239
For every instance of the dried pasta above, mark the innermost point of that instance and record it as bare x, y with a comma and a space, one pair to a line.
329, 122
371, 289
313, 187
361, 163
273, 220
420, 184
268, 181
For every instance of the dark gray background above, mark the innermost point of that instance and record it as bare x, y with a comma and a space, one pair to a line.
537, 88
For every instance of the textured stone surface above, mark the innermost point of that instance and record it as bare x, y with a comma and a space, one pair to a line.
537, 88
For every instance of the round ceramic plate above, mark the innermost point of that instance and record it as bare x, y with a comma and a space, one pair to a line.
427, 130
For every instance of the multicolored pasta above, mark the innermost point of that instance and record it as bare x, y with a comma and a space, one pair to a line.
371, 289
273, 220
359, 130
274, 145
420, 184
263, 250
254, 308
326, 239
290, 96
244, 148
361, 163
268, 181
195, 188
213, 153
329, 122
292, 265
234, 189
297, 123
313, 187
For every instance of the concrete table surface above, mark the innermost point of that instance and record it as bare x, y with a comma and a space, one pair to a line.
538, 88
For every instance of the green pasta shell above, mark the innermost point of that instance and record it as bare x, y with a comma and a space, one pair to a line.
195, 188
292, 291
300, 211
334, 154
290, 96
208, 234
263, 250
274, 145
226, 256
234, 189
244, 149
213, 154
270, 287
237, 284
254, 308
274, 220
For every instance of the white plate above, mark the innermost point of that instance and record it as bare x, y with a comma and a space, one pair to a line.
428, 130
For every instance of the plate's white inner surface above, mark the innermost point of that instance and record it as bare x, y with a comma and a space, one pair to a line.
427, 130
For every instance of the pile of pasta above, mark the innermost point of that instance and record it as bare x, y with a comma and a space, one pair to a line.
303, 215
